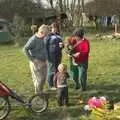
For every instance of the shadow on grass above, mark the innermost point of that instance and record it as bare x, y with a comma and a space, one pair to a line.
110, 90
62, 113
75, 110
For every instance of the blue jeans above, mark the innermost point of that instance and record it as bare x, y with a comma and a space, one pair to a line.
52, 69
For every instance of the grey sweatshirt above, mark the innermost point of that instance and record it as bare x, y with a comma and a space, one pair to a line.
35, 49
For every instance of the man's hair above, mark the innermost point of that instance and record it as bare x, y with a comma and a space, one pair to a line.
79, 33
44, 28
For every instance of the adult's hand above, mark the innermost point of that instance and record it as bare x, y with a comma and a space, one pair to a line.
76, 54
61, 45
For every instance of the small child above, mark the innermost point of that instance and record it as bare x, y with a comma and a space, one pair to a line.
60, 81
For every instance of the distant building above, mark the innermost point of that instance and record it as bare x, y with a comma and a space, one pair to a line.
4, 32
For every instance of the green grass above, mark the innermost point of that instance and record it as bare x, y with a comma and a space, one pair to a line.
103, 79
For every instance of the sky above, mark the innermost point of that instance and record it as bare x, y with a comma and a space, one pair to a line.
46, 3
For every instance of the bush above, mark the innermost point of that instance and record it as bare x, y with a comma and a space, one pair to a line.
19, 30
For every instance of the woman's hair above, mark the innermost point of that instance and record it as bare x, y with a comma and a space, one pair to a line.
56, 27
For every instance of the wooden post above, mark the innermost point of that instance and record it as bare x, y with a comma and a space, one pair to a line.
115, 28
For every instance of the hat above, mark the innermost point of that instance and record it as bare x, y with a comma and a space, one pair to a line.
78, 32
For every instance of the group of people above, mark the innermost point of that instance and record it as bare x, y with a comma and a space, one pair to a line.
44, 51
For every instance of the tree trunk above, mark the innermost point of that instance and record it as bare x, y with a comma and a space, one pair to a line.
51, 3
61, 11
82, 11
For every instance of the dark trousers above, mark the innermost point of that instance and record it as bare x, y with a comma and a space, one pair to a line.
62, 93
52, 69
80, 75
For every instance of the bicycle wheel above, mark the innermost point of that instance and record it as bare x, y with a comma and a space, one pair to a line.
38, 103
4, 107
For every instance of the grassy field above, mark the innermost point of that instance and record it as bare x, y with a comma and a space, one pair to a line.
103, 79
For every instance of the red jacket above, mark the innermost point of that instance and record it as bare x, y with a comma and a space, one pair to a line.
82, 47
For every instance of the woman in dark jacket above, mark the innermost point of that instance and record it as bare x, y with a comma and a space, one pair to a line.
54, 47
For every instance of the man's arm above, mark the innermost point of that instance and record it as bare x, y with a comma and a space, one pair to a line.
28, 47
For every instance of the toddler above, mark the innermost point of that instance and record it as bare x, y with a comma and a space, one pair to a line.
60, 80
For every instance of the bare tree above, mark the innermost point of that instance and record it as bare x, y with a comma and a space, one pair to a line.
82, 11
103, 7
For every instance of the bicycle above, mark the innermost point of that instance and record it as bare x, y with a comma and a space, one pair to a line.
37, 103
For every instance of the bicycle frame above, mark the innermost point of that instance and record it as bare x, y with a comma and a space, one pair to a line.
5, 106
6, 92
